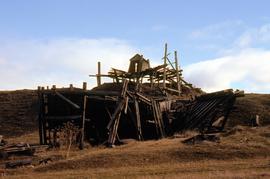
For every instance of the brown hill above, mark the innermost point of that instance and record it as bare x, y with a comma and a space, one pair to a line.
19, 111
249, 106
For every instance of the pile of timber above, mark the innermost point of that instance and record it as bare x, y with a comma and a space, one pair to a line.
123, 107
114, 111
208, 112
16, 149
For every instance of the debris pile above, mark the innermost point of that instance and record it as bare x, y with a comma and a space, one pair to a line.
16, 149
200, 138
142, 103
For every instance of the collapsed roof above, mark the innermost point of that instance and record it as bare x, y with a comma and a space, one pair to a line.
142, 103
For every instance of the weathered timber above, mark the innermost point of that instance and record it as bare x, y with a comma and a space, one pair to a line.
117, 114
18, 163
83, 122
71, 117
99, 75
177, 73
158, 119
164, 69
138, 120
67, 100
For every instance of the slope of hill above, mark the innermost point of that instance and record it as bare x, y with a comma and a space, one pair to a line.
242, 152
249, 106
18, 112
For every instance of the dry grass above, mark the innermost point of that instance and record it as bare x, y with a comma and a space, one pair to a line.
248, 107
242, 152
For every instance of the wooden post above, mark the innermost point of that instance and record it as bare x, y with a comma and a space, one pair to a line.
45, 111
138, 119
158, 119
83, 122
99, 75
151, 81
177, 73
84, 86
116, 77
71, 87
54, 87
164, 69
257, 120
40, 116
114, 122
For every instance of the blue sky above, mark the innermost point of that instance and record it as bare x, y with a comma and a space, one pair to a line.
203, 32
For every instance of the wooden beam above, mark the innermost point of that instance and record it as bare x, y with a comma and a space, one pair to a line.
40, 116
67, 100
117, 114
99, 75
138, 119
177, 73
70, 117
115, 75
83, 123
84, 86
164, 69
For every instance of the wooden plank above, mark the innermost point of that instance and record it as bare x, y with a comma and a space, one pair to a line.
124, 88
18, 163
113, 131
158, 119
99, 75
138, 120
164, 69
117, 114
126, 105
84, 86
155, 117
83, 122
177, 73
172, 90
70, 117
67, 100
116, 76
40, 116
143, 98
44, 122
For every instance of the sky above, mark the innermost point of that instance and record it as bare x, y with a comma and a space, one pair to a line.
221, 44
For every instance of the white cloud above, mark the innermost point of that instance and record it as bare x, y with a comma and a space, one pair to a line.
217, 31
30, 63
249, 69
254, 36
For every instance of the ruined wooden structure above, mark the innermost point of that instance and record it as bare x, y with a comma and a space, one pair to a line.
141, 103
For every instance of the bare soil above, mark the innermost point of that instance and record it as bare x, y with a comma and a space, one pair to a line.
243, 152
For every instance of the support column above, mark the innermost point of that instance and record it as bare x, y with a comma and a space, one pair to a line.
99, 75
164, 69
177, 73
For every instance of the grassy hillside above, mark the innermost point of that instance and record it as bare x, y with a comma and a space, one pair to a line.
18, 112
249, 106
242, 152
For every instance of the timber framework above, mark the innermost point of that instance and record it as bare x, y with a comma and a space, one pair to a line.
143, 103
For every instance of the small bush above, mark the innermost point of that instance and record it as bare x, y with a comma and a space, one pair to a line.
68, 136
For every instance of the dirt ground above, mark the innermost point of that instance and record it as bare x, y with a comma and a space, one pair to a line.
243, 152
